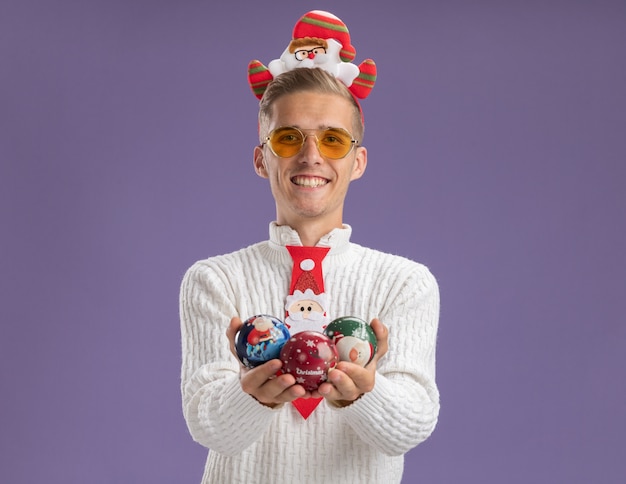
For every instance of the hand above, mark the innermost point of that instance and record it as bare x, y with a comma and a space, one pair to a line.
261, 382
348, 381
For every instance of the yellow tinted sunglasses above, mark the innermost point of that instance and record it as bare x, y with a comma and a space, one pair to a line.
332, 143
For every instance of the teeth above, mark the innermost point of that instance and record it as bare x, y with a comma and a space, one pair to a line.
309, 182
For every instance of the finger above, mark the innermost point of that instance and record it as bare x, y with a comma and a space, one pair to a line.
278, 390
382, 338
254, 378
282, 392
265, 377
356, 377
328, 389
231, 332
263, 384
340, 386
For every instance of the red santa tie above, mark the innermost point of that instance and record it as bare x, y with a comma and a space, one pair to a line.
307, 285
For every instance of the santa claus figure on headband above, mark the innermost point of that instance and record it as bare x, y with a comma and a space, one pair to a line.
320, 39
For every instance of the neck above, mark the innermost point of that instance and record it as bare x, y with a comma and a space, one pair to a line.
311, 232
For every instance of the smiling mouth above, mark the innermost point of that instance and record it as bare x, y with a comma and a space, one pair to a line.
309, 181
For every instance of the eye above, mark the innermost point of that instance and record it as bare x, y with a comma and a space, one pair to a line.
336, 137
333, 139
289, 137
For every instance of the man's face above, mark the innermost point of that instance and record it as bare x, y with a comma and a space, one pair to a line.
308, 187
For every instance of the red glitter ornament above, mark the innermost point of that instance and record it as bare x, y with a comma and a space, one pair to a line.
309, 356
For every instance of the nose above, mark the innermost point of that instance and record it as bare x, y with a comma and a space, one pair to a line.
310, 152
311, 55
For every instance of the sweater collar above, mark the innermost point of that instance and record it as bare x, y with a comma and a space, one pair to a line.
337, 239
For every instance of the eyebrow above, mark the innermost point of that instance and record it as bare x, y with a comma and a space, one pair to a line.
321, 126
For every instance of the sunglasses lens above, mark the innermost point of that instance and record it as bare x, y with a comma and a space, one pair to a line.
286, 142
333, 143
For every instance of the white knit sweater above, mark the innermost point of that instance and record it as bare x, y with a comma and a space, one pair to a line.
361, 443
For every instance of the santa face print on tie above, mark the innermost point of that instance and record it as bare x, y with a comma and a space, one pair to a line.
306, 311
306, 306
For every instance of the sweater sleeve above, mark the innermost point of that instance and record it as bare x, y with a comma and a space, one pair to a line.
402, 409
214, 405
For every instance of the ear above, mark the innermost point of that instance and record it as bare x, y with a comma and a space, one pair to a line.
360, 163
259, 162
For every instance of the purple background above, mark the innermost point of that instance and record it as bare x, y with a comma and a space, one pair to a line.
496, 136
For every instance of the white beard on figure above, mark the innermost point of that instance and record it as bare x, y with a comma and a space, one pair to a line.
315, 321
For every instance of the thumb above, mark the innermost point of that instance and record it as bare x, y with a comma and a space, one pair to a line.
382, 335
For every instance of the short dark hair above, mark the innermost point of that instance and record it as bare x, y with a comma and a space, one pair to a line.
312, 80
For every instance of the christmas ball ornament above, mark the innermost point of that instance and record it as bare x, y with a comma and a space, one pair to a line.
354, 338
260, 339
309, 356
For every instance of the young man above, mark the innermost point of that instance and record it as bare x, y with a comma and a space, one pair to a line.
369, 417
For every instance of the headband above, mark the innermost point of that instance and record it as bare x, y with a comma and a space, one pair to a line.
319, 40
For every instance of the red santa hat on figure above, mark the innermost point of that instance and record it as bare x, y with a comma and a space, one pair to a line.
320, 39
324, 25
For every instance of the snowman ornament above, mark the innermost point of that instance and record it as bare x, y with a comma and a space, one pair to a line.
354, 339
